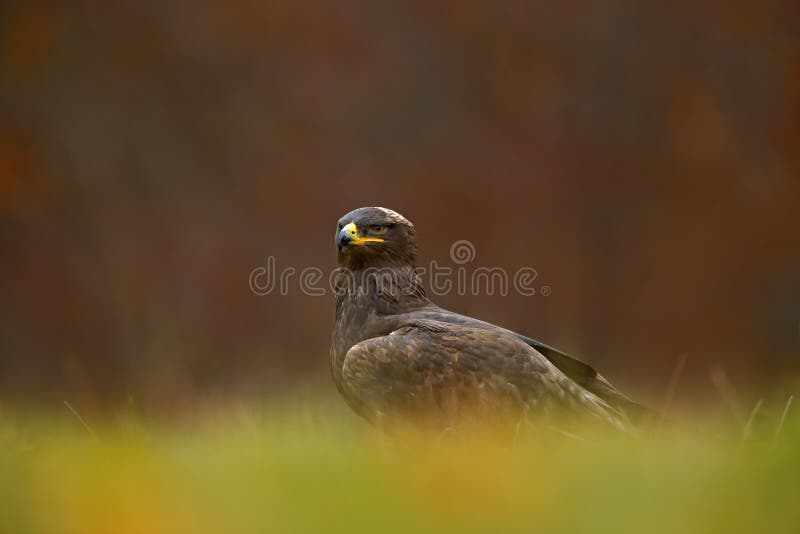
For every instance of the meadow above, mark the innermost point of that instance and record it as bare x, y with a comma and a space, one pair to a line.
312, 467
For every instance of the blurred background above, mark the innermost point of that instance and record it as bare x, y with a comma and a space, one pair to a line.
643, 158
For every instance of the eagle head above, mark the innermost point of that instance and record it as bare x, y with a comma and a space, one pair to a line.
375, 237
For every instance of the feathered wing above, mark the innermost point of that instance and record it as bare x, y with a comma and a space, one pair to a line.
588, 378
576, 370
456, 372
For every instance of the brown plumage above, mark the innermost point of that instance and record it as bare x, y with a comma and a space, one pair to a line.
397, 358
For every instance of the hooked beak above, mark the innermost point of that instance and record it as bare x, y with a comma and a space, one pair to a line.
349, 236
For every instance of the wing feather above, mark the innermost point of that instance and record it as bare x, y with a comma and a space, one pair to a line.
435, 369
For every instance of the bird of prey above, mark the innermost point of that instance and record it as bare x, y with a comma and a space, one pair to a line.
399, 359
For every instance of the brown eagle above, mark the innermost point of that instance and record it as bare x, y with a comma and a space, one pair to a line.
398, 358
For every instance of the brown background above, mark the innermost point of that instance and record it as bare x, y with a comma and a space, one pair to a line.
645, 159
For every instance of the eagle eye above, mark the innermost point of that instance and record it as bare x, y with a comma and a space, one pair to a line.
378, 228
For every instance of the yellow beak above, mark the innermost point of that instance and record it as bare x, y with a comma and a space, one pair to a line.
349, 234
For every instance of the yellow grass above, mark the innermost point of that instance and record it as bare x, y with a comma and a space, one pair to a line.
316, 469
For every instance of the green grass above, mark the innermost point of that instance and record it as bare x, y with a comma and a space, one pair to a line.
317, 469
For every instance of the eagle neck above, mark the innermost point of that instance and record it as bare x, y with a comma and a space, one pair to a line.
396, 286
368, 302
